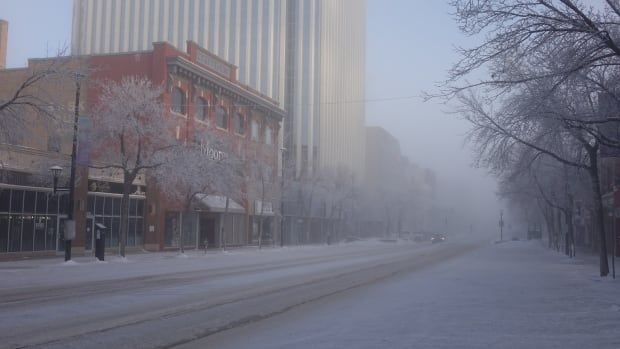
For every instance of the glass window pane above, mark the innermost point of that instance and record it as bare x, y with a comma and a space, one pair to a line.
99, 205
52, 204
112, 237
4, 232
189, 228
30, 201
15, 237
131, 232
63, 200
178, 100
132, 207
172, 229
17, 201
5, 200
107, 207
50, 233
117, 207
140, 208
91, 204
28, 233
222, 118
42, 203
139, 229
39, 233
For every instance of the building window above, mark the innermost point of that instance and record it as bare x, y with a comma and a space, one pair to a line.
53, 143
239, 124
178, 101
202, 110
222, 118
268, 135
255, 130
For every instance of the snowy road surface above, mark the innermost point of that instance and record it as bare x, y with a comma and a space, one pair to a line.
362, 295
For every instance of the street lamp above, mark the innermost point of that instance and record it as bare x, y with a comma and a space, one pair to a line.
55, 170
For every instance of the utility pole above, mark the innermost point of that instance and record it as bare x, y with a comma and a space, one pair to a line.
71, 201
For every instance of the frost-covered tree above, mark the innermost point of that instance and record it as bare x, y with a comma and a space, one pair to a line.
199, 169
542, 65
133, 133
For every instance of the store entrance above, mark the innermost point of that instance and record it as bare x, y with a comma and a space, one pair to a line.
207, 231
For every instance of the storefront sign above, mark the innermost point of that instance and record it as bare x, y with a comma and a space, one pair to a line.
212, 153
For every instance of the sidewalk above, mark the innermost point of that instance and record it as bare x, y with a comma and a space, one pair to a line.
55, 271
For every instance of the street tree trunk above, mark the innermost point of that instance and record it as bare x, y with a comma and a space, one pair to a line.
599, 217
128, 181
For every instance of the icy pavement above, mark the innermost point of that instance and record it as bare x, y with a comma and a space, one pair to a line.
510, 295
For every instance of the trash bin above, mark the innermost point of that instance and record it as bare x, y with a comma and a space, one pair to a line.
100, 241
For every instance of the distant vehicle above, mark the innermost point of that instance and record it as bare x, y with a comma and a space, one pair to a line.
438, 238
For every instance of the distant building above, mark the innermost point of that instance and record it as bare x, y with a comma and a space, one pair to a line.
399, 193
4, 33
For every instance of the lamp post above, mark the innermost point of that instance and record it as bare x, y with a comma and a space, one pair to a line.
56, 170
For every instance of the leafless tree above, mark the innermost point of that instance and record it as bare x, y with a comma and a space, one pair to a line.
547, 61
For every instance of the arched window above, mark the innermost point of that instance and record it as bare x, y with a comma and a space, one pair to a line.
268, 135
178, 100
255, 130
201, 107
222, 118
239, 124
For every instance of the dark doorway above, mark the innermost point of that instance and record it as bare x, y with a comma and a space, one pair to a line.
207, 231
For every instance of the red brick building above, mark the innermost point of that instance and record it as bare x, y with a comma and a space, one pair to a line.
205, 98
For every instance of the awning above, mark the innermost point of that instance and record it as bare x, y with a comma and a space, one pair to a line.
216, 203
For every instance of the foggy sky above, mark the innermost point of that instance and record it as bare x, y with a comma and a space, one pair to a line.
409, 49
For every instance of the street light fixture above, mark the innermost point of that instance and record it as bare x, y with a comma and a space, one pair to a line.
56, 171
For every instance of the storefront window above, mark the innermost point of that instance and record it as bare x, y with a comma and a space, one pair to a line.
5, 200
189, 228
42, 203
39, 233
17, 201
15, 233
28, 233
29, 201
172, 229
4, 232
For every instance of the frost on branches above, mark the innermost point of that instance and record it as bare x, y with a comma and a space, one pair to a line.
133, 133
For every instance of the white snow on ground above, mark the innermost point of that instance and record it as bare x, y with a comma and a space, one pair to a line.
54, 271
510, 295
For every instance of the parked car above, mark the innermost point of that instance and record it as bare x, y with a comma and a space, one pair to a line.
438, 238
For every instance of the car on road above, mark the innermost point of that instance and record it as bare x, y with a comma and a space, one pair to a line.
438, 238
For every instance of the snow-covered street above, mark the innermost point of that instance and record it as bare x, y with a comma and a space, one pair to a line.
511, 295
362, 295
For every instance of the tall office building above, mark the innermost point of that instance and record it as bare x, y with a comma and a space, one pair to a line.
326, 43
306, 54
